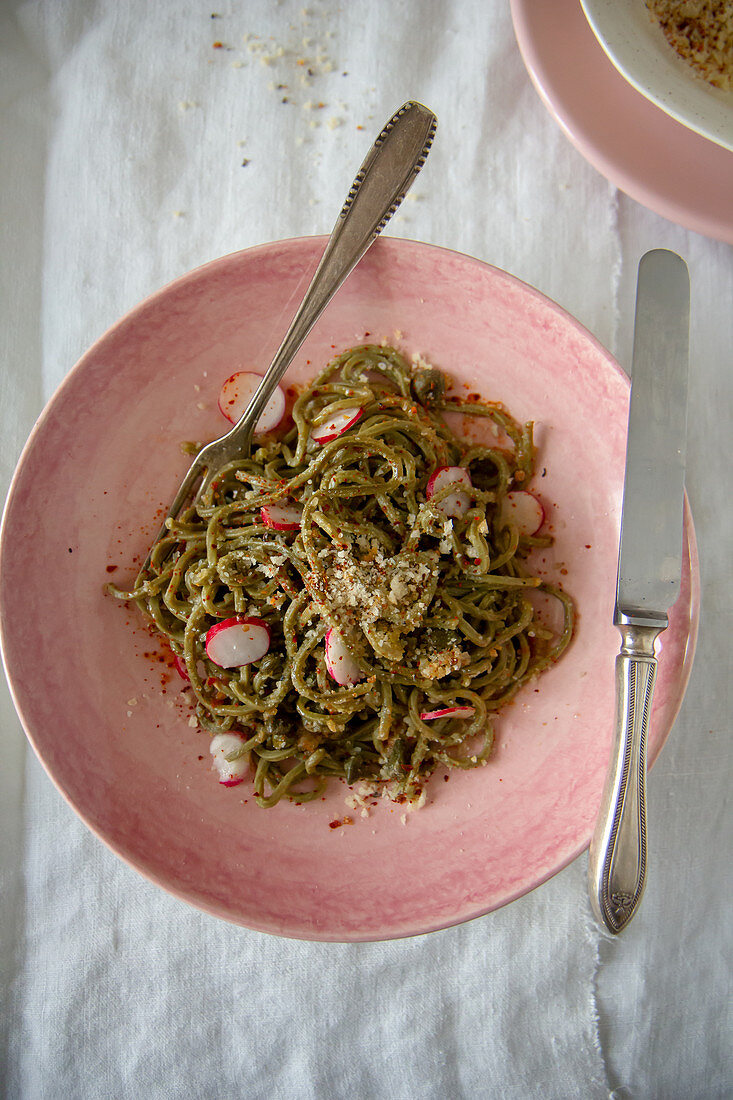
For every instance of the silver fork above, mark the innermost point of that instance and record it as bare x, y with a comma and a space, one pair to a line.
380, 185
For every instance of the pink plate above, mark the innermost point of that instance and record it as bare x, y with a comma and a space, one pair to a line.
633, 143
110, 719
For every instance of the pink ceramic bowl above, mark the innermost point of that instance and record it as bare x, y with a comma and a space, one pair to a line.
110, 720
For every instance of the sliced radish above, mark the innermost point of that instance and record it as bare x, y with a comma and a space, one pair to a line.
448, 712
339, 662
455, 504
282, 517
230, 772
522, 509
339, 423
236, 394
182, 669
236, 642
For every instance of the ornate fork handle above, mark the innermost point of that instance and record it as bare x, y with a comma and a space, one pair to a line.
617, 861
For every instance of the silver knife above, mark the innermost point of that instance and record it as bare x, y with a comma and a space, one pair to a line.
649, 573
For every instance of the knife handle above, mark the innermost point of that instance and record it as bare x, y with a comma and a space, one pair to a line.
617, 861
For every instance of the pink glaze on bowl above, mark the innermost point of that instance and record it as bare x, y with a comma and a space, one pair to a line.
109, 718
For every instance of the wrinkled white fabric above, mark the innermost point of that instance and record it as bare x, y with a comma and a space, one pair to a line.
133, 150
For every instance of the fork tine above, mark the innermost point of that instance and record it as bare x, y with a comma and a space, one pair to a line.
186, 495
187, 492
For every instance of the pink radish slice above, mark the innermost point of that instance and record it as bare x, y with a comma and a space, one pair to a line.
455, 504
230, 772
236, 394
282, 517
524, 510
339, 662
448, 712
183, 671
236, 642
181, 668
339, 423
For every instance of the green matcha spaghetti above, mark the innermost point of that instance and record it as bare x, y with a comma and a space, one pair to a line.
383, 561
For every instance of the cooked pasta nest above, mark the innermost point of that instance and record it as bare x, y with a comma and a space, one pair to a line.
437, 612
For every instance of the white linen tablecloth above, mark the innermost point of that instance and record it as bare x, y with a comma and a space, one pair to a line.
134, 150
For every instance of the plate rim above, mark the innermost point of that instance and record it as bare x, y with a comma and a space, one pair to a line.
692, 214
627, 64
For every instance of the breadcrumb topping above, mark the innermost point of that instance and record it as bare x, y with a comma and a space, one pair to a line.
701, 33
384, 598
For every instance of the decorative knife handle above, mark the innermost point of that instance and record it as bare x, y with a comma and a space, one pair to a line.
618, 851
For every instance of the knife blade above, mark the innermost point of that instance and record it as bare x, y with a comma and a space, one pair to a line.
649, 574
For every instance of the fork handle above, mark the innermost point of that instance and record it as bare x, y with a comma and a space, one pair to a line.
381, 183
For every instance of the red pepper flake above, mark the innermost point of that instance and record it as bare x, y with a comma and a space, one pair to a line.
218, 45
335, 824
111, 568
587, 546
